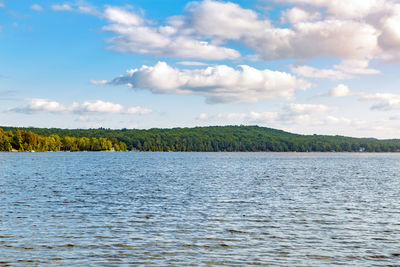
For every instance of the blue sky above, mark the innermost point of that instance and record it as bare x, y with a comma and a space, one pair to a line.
306, 66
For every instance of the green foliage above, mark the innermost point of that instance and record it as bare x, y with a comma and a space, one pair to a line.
26, 140
215, 138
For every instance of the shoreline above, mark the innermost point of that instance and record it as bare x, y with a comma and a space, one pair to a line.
276, 152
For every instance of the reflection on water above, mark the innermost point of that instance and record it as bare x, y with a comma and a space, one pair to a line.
199, 209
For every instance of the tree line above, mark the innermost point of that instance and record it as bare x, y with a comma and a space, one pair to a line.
23, 140
212, 138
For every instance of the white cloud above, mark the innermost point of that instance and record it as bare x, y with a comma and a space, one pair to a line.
331, 37
203, 116
382, 15
250, 117
134, 35
156, 41
192, 63
383, 101
311, 72
355, 66
223, 20
356, 29
98, 82
83, 118
354, 9
217, 84
345, 70
289, 115
78, 6
139, 110
97, 107
338, 120
2, 5
121, 16
41, 105
305, 118
36, 7
86, 8
292, 111
389, 40
63, 7
262, 117
296, 15
340, 91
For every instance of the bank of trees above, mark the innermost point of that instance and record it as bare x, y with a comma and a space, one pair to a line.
23, 140
215, 138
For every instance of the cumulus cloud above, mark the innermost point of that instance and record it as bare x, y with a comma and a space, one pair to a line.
217, 84
37, 7
330, 38
302, 113
356, 29
99, 107
389, 40
296, 15
192, 63
134, 34
340, 91
40, 105
222, 20
347, 69
311, 72
354, 9
382, 15
355, 66
121, 16
383, 101
304, 109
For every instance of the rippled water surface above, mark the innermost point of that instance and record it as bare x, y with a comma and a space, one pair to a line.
199, 209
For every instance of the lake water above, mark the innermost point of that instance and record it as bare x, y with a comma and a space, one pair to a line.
199, 209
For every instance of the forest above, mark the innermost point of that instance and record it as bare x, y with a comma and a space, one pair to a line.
212, 139
28, 141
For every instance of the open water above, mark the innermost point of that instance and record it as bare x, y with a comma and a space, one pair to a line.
181, 209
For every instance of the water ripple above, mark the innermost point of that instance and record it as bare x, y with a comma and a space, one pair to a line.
185, 209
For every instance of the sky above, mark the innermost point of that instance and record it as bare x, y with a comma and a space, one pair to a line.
304, 66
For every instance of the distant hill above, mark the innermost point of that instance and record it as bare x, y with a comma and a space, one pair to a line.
225, 138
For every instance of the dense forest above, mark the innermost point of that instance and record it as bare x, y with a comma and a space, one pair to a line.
23, 140
213, 138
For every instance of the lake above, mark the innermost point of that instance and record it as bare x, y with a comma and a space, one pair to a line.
181, 209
